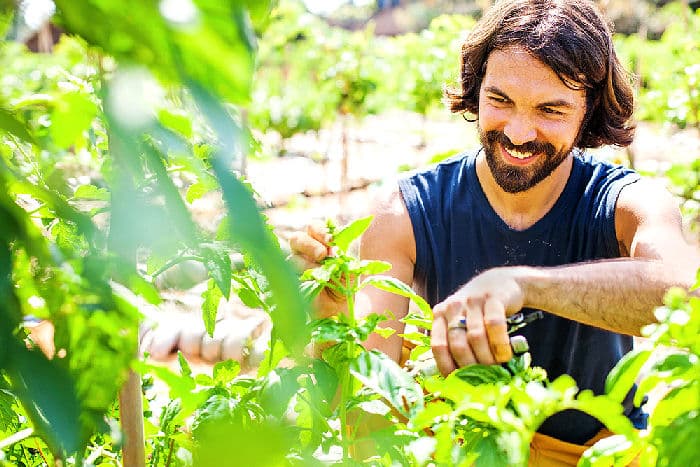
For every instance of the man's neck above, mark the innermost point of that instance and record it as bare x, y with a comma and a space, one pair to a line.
522, 210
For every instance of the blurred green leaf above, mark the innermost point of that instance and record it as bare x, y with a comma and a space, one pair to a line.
10, 124
613, 450
71, 116
609, 412
279, 387
54, 413
273, 356
211, 43
622, 377
221, 440
212, 296
249, 231
676, 442
91, 192
176, 121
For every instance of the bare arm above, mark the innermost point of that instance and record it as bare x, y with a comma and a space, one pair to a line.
620, 295
389, 238
617, 295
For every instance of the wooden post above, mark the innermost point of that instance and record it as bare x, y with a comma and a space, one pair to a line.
131, 415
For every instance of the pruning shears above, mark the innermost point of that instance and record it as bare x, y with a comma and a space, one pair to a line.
426, 366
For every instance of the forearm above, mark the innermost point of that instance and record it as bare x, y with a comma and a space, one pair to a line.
619, 295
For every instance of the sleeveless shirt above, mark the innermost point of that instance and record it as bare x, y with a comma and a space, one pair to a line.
458, 235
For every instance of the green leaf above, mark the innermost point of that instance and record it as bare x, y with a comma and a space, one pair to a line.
326, 378
367, 267
677, 442
55, 413
330, 329
218, 264
485, 444
608, 411
676, 402
247, 227
273, 356
91, 192
676, 364
185, 369
622, 377
393, 285
176, 121
432, 413
196, 191
279, 387
214, 46
613, 450
212, 296
179, 386
71, 116
10, 124
385, 377
483, 374
222, 440
344, 238
225, 372
249, 297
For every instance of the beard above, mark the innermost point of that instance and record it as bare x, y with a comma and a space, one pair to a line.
515, 179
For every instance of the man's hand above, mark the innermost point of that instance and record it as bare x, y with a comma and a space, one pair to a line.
484, 303
309, 248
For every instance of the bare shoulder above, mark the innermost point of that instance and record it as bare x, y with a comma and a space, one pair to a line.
390, 236
648, 221
646, 199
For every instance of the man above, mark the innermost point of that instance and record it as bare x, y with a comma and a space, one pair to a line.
530, 220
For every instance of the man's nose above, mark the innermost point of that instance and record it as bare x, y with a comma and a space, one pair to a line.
520, 130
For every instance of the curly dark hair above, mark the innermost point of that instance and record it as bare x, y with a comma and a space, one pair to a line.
572, 38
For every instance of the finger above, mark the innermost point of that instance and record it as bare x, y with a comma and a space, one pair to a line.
302, 264
497, 330
439, 345
307, 247
476, 333
319, 231
459, 347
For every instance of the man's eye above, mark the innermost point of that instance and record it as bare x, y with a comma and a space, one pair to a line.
551, 111
500, 100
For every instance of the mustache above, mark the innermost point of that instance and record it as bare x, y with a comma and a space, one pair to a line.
495, 136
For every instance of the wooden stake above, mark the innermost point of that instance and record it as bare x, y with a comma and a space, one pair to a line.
131, 413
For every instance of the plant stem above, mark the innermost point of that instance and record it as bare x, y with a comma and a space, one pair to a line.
346, 389
16, 438
41, 453
171, 444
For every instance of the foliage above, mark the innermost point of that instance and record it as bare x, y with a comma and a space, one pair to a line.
667, 69
671, 364
104, 144
60, 258
684, 181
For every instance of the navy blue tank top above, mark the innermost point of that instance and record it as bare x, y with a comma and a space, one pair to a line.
458, 235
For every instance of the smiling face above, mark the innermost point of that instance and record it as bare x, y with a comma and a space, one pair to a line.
529, 120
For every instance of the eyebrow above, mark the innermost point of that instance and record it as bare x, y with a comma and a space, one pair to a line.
554, 103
